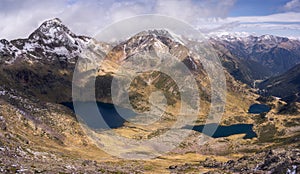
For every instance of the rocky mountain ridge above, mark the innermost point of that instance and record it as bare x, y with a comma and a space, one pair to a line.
247, 58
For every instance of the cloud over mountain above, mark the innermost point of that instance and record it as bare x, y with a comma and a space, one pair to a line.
293, 5
18, 18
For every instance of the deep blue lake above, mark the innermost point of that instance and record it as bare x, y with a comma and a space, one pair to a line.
225, 131
111, 118
259, 108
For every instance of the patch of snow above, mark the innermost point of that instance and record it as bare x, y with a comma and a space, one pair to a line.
29, 46
292, 171
70, 38
1, 46
61, 50
158, 44
22, 170
230, 34
70, 167
52, 32
277, 98
2, 92
267, 37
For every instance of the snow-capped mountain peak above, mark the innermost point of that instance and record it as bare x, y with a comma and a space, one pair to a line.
52, 29
50, 41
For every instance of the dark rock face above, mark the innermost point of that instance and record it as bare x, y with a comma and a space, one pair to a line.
280, 161
39, 80
276, 161
210, 163
286, 86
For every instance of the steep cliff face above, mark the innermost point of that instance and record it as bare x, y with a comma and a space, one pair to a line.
286, 86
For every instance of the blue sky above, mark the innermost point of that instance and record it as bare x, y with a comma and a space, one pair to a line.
261, 8
280, 17
257, 7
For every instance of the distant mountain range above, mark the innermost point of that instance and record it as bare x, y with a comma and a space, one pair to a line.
257, 58
270, 60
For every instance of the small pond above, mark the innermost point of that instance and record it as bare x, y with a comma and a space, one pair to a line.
259, 108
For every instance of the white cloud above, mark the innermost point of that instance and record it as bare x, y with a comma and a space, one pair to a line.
283, 21
283, 24
87, 17
20, 18
293, 5
280, 17
189, 10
